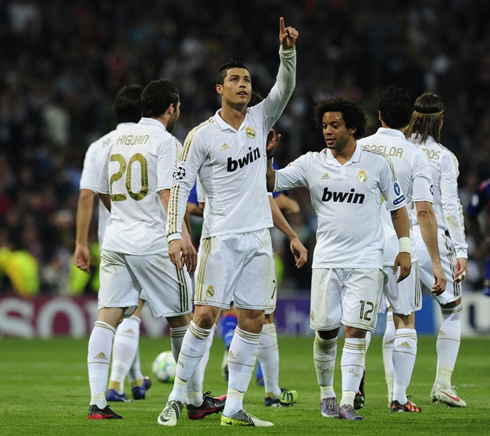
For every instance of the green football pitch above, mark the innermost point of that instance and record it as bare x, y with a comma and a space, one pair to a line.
44, 390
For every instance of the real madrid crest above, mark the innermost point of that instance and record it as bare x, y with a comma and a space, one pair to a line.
362, 176
210, 291
250, 132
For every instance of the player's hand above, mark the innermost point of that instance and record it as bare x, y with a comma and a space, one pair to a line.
461, 269
272, 142
287, 35
439, 280
299, 251
81, 258
403, 262
189, 254
175, 253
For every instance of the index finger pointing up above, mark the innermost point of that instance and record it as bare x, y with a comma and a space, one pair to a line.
281, 25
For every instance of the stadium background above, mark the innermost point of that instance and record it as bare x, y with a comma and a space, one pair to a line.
62, 63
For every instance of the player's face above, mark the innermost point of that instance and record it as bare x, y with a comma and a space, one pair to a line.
174, 117
237, 87
337, 135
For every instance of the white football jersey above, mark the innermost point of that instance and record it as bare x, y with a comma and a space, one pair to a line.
231, 165
413, 174
447, 207
347, 200
92, 166
140, 163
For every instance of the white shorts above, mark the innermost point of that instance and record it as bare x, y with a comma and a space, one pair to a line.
404, 297
345, 296
238, 268
167, 290
448, 262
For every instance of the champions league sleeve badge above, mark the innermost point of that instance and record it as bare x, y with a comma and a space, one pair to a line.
179, 173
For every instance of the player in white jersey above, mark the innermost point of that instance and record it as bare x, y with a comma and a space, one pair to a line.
405, 298
125, 353
236, 263
134, 185
424, 131
347, 183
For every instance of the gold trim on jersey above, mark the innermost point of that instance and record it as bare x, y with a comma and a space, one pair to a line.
172, 217
206, 250
190, 137
365, 148
183, 293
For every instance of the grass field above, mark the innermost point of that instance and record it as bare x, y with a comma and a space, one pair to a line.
44, 390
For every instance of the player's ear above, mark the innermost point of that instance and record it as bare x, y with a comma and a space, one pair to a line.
352, 130
219, 89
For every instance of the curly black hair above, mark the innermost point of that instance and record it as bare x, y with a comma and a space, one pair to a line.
351, 111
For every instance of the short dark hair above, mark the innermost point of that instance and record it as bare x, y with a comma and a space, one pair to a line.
426, 117
127, 104
395, 107
351, 111
157, 96
233, 63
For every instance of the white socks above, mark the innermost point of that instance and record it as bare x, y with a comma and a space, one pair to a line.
268, 355
388, 347
448, 341
324, 355
241, 364
191, 352
353, 363
404, 354
125, 349
98, 360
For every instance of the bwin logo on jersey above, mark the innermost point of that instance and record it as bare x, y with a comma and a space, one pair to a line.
251, 156
343, 197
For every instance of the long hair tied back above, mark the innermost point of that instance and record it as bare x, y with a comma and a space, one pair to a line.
426, 118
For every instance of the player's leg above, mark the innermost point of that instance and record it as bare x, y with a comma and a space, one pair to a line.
254, 293
227, 325
199, 403
449, 336
388, 346
125, 350
117, 294
268, 356
447, 346
192, 350
404, 355
325, 319
360, 304
98, 359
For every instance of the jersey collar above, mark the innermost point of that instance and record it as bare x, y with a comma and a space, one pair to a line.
152, 122
356, 157
223, 125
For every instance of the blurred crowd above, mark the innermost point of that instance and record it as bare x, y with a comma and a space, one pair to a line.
63, 62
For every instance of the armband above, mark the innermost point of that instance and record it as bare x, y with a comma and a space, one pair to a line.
405, 245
